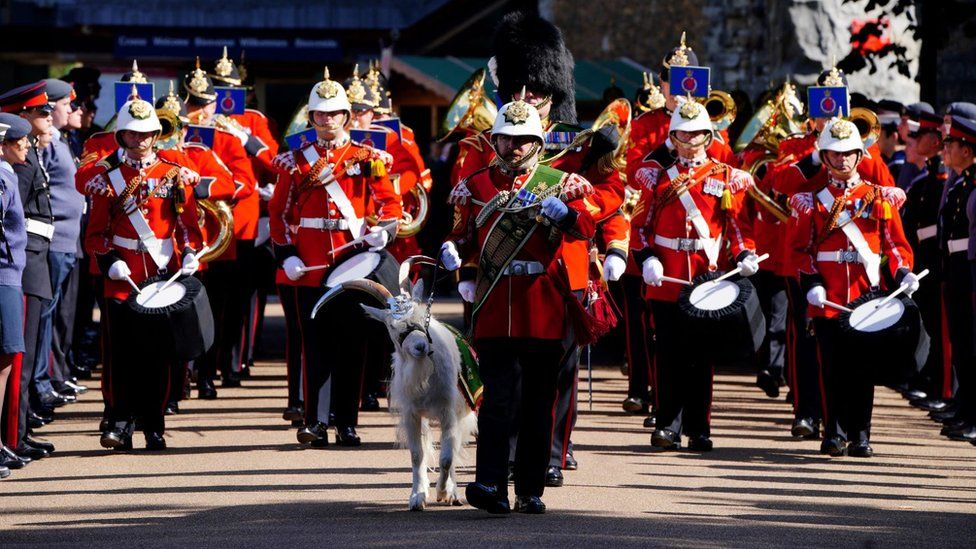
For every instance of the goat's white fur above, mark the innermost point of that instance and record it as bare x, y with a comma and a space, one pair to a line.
424, 388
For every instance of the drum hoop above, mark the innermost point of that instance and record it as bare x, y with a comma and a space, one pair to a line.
351, 263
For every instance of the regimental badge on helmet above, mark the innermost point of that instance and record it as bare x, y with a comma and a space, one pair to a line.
690, 110
517, 113
171, 102
834, 78
327, 88
356, 92
134, 75
198, 80
842, 129
224, 65
140, 110
679, 58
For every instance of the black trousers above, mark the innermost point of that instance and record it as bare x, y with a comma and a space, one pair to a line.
519, 376
684, 381
567, 404
639, 337
335, 345
848, 393
240, 350
62, 338
771, 290
959, 311
936, 376
136, 382
803, 364
288, 296
222, 280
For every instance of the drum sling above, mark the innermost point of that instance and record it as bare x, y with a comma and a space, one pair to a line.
870, 260
328, 180
511, 231
147, 237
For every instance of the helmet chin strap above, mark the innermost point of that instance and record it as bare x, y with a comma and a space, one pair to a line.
524, 163
839, 172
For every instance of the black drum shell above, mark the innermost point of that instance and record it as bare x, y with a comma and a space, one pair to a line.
889, 357
730, 334
182, 331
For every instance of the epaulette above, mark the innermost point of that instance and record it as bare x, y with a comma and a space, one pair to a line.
285, 162
739, 180
663, 156
98, 185
801, 203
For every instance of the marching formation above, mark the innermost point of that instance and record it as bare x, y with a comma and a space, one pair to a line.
827, 245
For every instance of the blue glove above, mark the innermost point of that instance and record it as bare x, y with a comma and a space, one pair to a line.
554, 209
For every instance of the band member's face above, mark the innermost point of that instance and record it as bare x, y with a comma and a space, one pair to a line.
15, 150
956, 155
328, 125
842, 162
40, 121
138, 142
201, 114
542, 103
514, 149
362, 119
691, 144
62, 109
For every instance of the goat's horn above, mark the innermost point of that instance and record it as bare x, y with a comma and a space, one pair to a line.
407, 265
369, 287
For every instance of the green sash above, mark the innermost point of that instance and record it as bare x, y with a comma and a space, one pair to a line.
512, 230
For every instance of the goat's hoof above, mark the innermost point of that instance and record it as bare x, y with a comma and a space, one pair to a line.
451, 498
418, 501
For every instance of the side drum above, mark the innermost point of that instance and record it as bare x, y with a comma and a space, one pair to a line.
889, 341
722, 319
175, 322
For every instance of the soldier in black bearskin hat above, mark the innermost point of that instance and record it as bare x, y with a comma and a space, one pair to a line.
532, 62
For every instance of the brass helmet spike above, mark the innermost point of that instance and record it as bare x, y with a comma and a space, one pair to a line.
225, 53
135, 66
198, 62
522, 95
355, 71
171, 88
326, 73
683, 46
135, 92
647, 81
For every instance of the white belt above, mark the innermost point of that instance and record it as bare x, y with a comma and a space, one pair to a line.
40, 228
524, 268
958, 245
164, 246
682, 244
927, 232
324, 224
840, 256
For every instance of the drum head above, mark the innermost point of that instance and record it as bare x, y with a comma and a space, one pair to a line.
358, 266
712, 296
152, 298
868, 317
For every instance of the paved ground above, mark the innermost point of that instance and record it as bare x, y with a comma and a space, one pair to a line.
234, 476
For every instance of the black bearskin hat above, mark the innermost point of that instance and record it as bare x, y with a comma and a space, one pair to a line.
530, 52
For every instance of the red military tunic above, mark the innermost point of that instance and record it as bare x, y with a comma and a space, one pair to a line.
878, 221
250, 208
650, 130
230, 151
361, 174
669, 221
163, 185
101, 144
407, 171
604, 200
518, 306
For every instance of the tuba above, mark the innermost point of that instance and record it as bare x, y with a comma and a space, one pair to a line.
223, 218
721, 109
471, 110
170, 136
867, 124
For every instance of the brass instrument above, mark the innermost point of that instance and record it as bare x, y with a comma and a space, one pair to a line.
415, 210
867, 124
471, 108
721, 109
224, 217
170, 137
618, 113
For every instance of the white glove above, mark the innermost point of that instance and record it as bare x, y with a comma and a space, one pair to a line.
266, 191
240, 134
190, 264
466, 289
749, 265
911, 280
614, 267
294, 268
817, 296
653, 271
554, 209
450, 257
377, 238
119, 270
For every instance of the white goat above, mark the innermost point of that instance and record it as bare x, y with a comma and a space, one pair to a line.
424, 387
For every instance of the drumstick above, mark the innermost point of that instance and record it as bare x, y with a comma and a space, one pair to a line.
675, 280
167, 284
838, 306
359, 240
314, 268
900, 289
738, 270
133, 284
